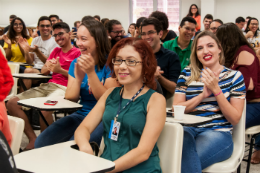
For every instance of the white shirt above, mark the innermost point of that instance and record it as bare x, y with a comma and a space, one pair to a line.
46, 47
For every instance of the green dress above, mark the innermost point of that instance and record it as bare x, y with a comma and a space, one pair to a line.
132, 119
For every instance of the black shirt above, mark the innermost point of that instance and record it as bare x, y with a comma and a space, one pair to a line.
170, 35
7, 164
170, 63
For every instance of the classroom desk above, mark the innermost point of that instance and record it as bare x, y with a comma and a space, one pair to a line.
34, 76
20, 63
188, 120
38, 104
61, 158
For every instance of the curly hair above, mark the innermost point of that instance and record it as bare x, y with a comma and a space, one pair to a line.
149, 62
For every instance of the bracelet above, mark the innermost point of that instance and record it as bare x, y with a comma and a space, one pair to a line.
218, 93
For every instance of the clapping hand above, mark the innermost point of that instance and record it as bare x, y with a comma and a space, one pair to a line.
86, 63
210, 80
7, 40
23, 44
54, 65
158, 72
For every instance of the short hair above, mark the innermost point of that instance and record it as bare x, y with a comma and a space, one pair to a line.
75, 23
248, 17
104, 20
111, 23
86, 18
12, 16
61, 25
54, 15
139, 21
187, 19
218, 20
61, 20
208, 16
162, 17
43, 18
97, 16
240, 19
152, 21
149, 62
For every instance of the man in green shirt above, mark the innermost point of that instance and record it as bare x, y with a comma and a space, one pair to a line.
182, 44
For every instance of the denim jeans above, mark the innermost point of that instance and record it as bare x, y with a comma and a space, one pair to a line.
253, 119
63, 130
202, 148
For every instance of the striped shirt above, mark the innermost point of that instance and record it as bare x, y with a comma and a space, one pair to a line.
232, 85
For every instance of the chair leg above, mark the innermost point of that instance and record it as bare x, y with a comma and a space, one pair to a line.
250, 153
239, 168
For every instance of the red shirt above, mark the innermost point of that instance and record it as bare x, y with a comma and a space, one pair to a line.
249, 71
4, 123
65, 61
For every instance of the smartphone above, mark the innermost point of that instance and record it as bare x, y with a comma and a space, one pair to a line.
51, 102
74, 29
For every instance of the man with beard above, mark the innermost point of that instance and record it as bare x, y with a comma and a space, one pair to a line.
58, 62
40, 49
169, 67
182, 44
115, 31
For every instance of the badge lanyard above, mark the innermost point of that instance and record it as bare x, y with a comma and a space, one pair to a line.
118, 112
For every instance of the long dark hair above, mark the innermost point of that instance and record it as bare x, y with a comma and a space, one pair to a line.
11, 32
231, 39
248, 23
190, 13
99, 33
130, 25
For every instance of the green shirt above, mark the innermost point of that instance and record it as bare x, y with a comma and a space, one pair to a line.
132, 119
184, 54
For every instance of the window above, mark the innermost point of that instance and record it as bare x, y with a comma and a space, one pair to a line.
143, 8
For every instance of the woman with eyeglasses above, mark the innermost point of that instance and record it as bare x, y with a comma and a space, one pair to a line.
209, 89
194, 13
135, 110
252, 33
87, 82
17, 32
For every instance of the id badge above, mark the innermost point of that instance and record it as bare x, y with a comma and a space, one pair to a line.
114, 130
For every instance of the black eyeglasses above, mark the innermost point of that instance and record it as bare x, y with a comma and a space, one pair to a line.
128, 62
18, 24
59, 34
148, 33
118, 32
43, 26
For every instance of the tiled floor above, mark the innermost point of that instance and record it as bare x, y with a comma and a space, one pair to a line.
253, 168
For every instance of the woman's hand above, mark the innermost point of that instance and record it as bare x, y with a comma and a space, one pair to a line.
206, 92
86, 63
79, 73
7, 40
210, 80
23, 43
249, 34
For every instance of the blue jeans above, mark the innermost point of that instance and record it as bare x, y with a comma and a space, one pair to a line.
202, 148
63, 130
253, 119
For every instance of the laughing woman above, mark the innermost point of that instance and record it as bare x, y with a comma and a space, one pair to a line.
87, 81
207, 88
135, 111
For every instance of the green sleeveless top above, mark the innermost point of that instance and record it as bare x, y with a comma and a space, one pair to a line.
132, 119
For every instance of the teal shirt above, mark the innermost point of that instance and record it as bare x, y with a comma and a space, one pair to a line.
132, 119
184, 54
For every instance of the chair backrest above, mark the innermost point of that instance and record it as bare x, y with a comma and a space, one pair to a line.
16, 128
14, 68
170, 147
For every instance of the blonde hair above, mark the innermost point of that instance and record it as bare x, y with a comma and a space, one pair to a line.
195, 65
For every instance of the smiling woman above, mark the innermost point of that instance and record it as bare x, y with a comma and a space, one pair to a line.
207, 88
135, 110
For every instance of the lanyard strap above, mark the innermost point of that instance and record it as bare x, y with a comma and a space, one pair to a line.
121, 95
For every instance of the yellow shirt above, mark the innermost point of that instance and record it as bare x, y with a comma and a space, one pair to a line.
17, 55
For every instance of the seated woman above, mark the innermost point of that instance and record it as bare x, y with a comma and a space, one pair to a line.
240, 55
207, 88
87, 74
17, 32
252, 33
137, 111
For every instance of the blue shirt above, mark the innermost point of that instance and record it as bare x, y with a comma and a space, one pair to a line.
87, 98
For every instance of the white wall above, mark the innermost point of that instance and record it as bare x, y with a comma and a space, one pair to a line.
229, 10
68, 10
